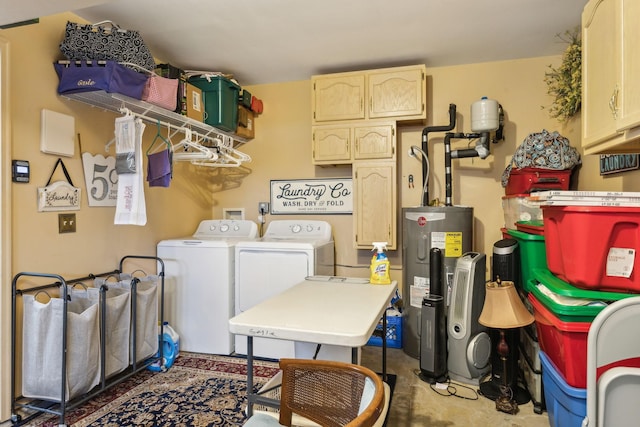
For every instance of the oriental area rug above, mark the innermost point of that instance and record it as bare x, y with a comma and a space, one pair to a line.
198, 390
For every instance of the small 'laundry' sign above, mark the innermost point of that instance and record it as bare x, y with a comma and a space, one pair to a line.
614, 163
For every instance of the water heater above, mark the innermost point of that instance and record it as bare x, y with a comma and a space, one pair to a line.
469, 346
449, 228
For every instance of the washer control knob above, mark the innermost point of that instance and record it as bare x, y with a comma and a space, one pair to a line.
296, 228
309, 228
212, 227
236, 227
224, 228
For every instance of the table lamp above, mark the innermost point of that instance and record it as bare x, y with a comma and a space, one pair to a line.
502, 310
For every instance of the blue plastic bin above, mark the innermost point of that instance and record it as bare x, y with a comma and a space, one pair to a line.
394, 333
566, 405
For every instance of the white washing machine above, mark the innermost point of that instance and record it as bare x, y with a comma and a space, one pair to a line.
289, 251
199, 283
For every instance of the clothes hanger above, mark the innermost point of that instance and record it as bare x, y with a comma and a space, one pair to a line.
225, 158
188, 149
159, 136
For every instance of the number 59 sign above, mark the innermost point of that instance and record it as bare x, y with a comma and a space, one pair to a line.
101, 179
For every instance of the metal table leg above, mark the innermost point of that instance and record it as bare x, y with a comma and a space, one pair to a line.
250, 395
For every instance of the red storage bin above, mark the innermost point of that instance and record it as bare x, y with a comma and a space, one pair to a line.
564, 342
594, 247
530, 179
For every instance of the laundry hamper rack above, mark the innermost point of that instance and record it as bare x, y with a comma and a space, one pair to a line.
92, 324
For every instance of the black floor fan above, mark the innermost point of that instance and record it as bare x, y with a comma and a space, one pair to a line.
433, 331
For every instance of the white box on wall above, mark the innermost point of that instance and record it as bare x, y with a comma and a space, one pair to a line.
57, 133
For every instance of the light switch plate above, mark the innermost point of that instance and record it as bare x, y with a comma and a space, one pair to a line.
66, 223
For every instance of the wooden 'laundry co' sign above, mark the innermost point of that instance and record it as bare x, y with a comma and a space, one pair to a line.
312, 196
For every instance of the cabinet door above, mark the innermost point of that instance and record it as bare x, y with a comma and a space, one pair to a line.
630, 64
331, 144
374, 210
374, 142
400, 93
338, 97
600, 56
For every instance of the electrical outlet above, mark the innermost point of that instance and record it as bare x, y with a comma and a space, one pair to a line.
263, 208
67, 223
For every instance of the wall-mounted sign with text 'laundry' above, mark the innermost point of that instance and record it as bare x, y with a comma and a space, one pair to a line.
312, 196
615, 163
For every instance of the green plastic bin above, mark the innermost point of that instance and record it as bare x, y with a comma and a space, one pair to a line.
220, 98
572, 304
532, 255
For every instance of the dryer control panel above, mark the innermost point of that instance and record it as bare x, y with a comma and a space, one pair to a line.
226, 228
299, 229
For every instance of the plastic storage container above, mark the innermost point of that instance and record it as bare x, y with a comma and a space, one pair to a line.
568, 303
220, 98
566, 405
533, 382
564, 342
532, 255
527, 180
518, 207
531, 227
394, 331
594, 247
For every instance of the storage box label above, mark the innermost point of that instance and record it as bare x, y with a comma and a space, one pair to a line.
620, 262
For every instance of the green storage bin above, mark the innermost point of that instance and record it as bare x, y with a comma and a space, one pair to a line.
571, 304
220, 98
532, 255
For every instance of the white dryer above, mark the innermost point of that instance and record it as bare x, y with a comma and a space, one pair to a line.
289, 251
199, 283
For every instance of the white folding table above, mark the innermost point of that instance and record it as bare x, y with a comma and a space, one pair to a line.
323, 310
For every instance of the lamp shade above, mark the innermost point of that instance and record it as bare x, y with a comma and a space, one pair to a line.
503, 308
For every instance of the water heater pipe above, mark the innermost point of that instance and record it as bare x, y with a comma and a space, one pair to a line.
425, 140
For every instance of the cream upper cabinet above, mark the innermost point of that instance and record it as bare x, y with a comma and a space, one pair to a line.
629, 64
342, 144
331, 144
374, 213
398, 93
599, 66
338, 97
610, 87
374, 141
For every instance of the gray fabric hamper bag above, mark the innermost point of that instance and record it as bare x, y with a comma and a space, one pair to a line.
146, 314
117, 325
42, 375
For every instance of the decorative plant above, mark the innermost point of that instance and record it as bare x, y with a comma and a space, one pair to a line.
565, 82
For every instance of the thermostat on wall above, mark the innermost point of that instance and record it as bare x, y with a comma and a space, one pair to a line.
20, 171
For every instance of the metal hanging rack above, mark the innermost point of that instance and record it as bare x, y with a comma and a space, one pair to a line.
211, 137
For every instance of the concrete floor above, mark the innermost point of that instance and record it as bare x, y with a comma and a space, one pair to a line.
415, 403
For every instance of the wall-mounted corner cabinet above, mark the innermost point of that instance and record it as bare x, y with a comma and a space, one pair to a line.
398, 93
374, 187
610, 70
344, 143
